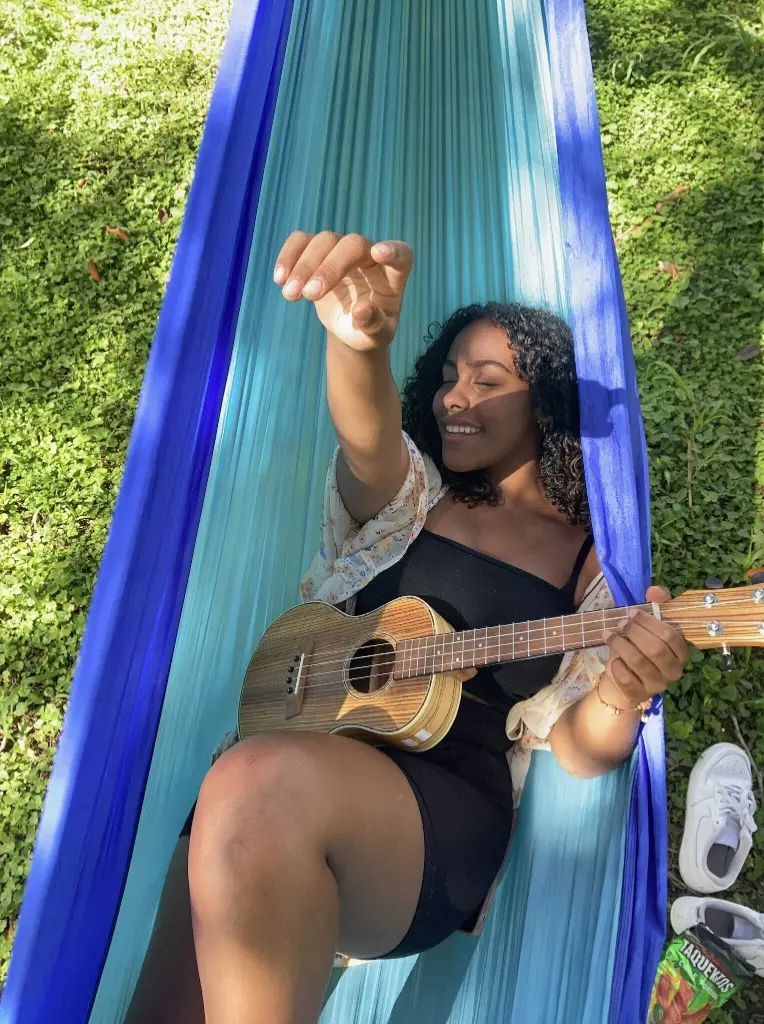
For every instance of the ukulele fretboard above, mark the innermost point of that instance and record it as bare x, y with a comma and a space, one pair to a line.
496, 645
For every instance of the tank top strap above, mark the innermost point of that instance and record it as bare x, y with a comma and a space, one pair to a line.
583, 554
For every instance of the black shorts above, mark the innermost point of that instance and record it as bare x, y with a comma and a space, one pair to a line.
464, 792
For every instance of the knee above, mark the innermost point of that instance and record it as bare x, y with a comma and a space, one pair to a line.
258, 813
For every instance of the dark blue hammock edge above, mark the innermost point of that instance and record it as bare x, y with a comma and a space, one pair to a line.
616, 462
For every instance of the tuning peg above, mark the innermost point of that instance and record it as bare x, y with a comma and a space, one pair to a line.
728, 661
713, 583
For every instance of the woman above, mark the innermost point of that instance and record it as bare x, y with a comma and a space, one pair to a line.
305, 844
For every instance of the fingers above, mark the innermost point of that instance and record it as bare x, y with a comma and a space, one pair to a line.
310, 266
627, 683
667, 633
369, 318
291, 251
658, 594
396, 257
648, 651
311, 257
634, 665
350, 252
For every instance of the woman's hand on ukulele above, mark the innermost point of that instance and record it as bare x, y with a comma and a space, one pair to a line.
356, 285
647, 655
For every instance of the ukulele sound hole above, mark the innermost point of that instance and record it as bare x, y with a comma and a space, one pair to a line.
371, 666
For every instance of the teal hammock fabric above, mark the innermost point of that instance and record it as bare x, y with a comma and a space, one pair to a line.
442, 123
469, 177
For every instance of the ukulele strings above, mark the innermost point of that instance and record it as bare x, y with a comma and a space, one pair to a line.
619, 613
410, 682
609, 615
321, 660
331, 666
401, 685
340, 684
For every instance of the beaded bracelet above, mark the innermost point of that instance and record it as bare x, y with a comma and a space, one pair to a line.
643, 707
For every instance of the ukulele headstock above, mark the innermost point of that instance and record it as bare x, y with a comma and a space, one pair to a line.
719, 618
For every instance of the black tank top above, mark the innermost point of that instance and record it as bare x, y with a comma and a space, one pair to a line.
470, 590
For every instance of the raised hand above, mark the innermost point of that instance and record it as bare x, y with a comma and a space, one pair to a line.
355, 284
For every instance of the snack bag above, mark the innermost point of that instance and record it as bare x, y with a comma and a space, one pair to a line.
697, 973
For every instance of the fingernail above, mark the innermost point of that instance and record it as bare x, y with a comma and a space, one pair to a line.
279, 274
292, 290
388, 251
312, 288
607, 634
634, 613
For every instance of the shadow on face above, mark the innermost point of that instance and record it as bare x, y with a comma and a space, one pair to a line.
484, 409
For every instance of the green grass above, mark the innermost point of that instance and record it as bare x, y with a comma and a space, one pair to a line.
101, 108
680, 88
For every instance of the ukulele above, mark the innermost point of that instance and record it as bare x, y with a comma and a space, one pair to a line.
395, 674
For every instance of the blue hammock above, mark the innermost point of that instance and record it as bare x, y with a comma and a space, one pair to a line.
470, 130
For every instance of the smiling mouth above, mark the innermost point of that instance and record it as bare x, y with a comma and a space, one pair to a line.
453, 431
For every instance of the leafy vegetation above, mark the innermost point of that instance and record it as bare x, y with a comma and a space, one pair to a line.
101, 108
680, 88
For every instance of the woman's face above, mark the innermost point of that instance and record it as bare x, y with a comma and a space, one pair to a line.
483, 408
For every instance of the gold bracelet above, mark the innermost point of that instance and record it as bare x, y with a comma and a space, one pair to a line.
643, 707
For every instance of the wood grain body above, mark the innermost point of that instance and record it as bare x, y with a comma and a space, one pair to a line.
410, 713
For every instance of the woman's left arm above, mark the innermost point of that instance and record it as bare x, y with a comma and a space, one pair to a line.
599, 732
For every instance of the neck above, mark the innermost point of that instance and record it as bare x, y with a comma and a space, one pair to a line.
497, 645
516, 478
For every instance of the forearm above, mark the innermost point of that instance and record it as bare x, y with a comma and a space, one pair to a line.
366, 412
590, 740
363, 402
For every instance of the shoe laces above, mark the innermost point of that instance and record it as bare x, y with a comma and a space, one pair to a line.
737, 800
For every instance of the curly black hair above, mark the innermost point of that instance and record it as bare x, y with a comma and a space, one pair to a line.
542, 346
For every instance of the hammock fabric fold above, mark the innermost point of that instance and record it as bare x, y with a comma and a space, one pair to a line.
472, 131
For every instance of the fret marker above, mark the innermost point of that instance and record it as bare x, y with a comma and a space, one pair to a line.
480, 645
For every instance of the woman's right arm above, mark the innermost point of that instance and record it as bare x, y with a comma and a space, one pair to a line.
357, 288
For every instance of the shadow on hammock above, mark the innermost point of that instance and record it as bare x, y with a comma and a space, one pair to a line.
435, 978
601, 400
440, 973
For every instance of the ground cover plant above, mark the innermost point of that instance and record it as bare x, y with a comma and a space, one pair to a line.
102, 103
680, 88
101, 108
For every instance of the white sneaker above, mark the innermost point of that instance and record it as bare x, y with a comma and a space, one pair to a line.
719, 819
740, 928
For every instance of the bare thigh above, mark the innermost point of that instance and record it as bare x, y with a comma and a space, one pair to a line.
272, 797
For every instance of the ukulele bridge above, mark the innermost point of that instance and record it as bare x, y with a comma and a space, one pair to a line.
294, 683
